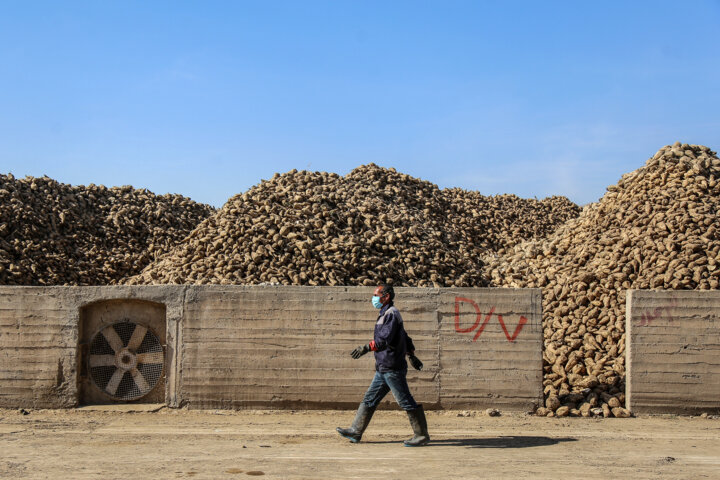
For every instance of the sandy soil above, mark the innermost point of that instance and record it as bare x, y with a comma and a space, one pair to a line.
133, 443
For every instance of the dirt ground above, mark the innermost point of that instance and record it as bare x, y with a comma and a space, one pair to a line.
139, 443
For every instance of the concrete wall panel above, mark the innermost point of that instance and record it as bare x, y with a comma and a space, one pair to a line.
490, 348
289, 346
674, 351
39, 340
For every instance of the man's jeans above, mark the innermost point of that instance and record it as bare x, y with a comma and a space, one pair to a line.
395, 381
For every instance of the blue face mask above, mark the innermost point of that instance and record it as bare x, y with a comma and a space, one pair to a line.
376, 302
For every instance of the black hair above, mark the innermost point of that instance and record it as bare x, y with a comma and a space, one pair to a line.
388, 289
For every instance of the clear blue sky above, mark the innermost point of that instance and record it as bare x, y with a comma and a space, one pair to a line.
208, 98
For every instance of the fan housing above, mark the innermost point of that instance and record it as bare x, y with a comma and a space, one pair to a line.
125, 360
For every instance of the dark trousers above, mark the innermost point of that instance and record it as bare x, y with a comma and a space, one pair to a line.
394, 381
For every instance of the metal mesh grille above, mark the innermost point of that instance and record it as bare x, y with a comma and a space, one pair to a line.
125, 360
124, 331
100, 346
149, 344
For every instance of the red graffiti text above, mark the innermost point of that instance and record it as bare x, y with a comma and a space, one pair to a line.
479, 318
647, 317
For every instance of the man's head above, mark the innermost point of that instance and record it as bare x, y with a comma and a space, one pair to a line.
385, 292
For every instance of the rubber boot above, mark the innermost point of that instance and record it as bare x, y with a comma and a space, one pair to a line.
419, 426
362, 419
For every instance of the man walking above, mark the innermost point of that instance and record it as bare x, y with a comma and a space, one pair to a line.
390, 343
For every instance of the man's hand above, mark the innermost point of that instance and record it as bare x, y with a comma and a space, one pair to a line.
360, 351
415, 362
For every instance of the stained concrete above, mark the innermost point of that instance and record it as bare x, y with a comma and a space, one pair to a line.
238, 347
290, 346
673, 351
40, 340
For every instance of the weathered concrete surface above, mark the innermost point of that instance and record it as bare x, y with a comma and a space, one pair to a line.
490, 348
40, 340
289, 346
234, 346
673, 351
38, 343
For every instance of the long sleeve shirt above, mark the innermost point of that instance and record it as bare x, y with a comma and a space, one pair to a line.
390, 341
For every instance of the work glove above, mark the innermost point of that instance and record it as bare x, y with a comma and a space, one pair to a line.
415, 362
360, 351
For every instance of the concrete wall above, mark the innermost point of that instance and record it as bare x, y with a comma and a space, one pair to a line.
290, 346
233, 346
39, 340
673, 351
490, 348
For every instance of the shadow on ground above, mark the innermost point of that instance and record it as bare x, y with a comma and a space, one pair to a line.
495, 442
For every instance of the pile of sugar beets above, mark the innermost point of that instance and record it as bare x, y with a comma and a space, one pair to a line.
374, 224
57, 234
656, 228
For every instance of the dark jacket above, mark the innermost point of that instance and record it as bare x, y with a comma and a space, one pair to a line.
390, 342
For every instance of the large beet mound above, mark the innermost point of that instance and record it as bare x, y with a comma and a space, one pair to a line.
57, 234
657, 228
372, 225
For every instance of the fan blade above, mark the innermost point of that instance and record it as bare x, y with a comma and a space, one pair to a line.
102, 360
112, 338
150, 357
140, 381
137, 338
114, 382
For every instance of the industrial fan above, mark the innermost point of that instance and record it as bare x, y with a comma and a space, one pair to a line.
125, 360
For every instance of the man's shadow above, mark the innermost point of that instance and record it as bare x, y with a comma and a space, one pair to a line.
495, 442
501, 442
